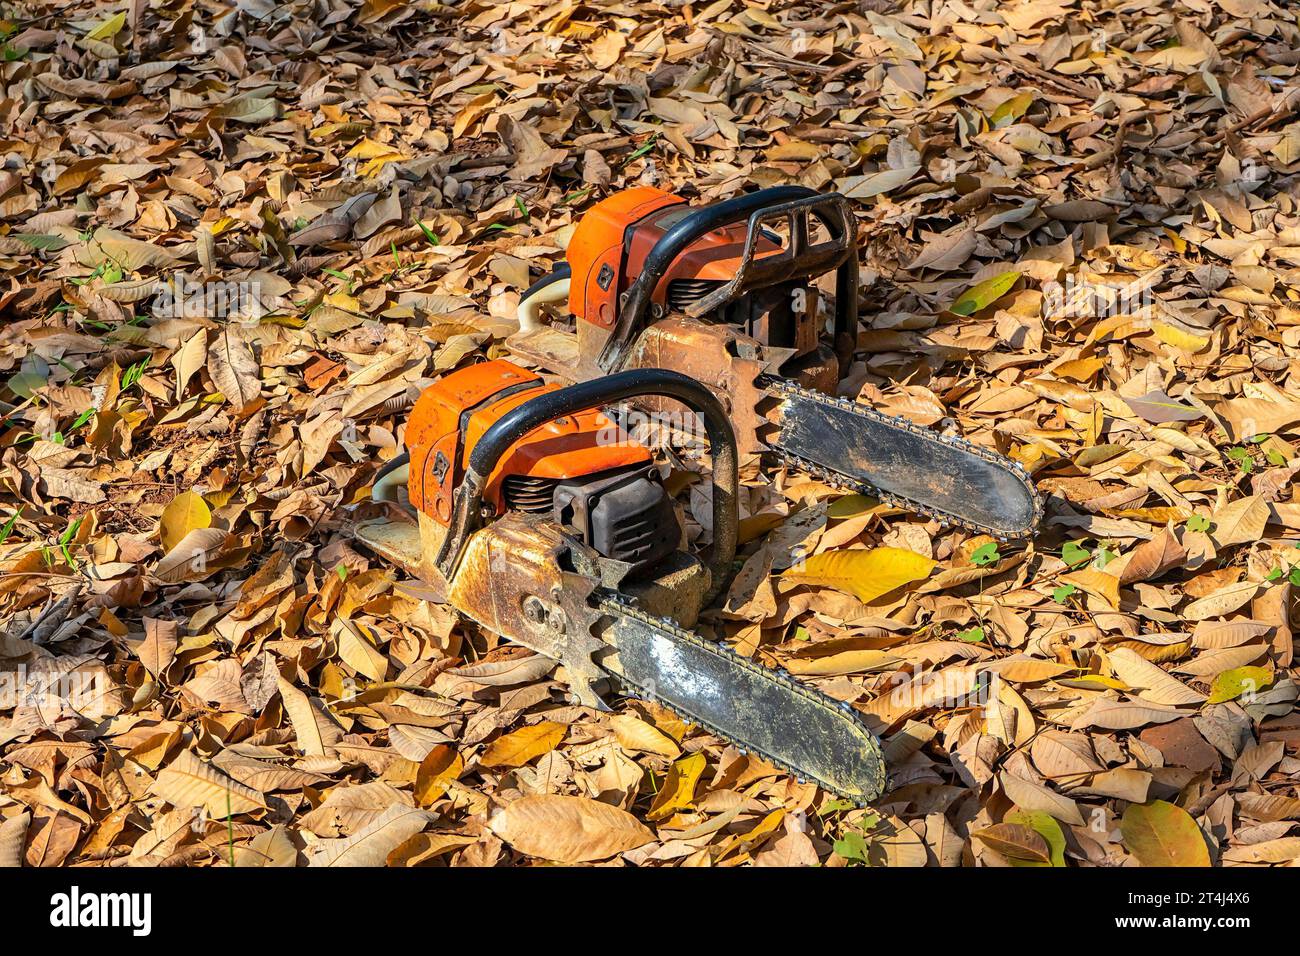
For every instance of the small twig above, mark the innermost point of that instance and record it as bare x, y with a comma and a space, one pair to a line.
1263, 117
1024, 66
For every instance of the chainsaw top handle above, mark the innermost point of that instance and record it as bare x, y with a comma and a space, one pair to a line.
792, 203
515, 424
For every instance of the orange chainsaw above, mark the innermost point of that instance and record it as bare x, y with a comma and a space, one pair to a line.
727, 294
531, 512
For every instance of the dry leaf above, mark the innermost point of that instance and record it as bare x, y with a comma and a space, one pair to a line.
568, 829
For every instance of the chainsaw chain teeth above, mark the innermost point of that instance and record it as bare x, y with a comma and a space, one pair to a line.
621, 606
780, 386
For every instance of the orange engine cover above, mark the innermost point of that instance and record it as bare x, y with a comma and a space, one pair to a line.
614, 237
454, 412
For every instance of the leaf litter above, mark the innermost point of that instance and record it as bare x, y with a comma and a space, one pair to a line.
240, 240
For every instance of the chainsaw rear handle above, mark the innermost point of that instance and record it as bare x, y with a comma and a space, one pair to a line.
793, 202
518, 422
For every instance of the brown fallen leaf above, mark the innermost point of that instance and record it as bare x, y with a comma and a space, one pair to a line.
568, 829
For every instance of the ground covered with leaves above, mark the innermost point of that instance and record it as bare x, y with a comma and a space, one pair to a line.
1080, 244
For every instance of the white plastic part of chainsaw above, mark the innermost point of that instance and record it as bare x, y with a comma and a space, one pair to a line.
529, 313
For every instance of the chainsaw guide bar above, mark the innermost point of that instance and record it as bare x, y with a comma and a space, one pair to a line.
759, 710
851, 445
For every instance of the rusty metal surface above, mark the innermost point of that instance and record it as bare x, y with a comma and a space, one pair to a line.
396, 540
511, 581
720, 356
553, 349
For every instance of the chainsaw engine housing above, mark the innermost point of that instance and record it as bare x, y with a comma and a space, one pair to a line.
711, 266
582, 470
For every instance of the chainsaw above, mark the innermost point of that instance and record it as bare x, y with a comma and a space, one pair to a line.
533, 513
727, 295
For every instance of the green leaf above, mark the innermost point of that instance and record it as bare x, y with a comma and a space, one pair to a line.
1242, 457
985, 554
9, 525
1062, 594
1075, 554
835, 806
851, 846
984, 294
1198, 523
972, 635
429, 235
1231, 684
642, 149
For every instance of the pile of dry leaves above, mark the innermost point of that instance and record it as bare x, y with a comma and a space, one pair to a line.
239, 238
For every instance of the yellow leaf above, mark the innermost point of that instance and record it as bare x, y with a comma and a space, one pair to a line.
1097, 583
525, 744
185, 513
1231, 684
348, 303
1180, 339
633, 733
985, 293
109, 28
1161, 834
1080, 369
438, 771
1009, 111
568, 829
846, 662
678, 791
866, 574
1092, 682
850, 506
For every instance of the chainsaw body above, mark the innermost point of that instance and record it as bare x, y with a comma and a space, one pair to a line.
539, 519
728, 294
643, 255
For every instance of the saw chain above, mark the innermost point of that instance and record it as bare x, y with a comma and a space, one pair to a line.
867, 773
842, 478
